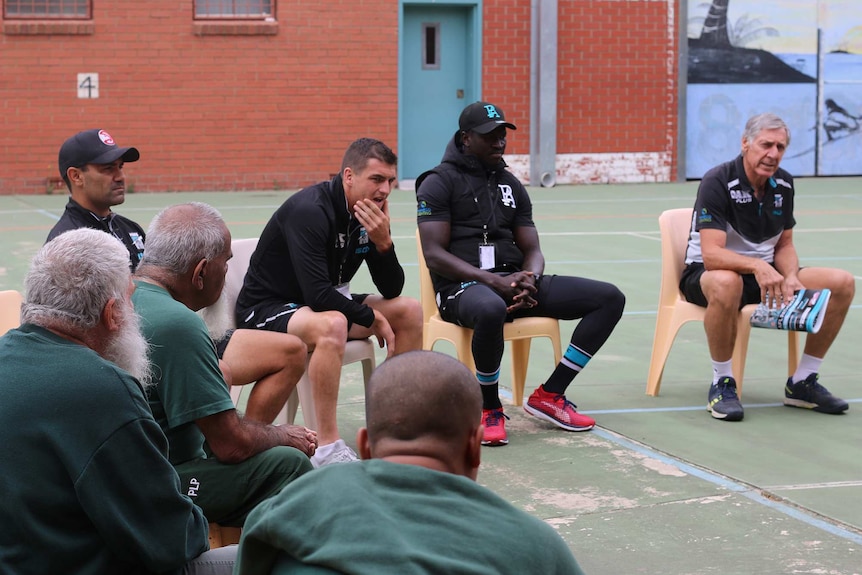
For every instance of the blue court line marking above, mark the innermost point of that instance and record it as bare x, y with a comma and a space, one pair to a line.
750, 492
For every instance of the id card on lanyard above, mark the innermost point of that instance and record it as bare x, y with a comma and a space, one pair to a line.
487, 252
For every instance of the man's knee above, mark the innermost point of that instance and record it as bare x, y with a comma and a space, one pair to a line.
489, 308
405, 314
294, 349
615, 299
282, 462
329, 326
845, 284
722, 288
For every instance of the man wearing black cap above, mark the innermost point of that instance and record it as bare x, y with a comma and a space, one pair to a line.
481, 245
91, 164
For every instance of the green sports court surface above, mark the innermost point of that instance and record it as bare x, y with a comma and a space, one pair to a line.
659, 486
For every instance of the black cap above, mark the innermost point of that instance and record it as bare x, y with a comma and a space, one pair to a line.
93, 147
482, 117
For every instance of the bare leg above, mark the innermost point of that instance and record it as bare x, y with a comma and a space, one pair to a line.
723, 291
843, 287
405, 318
275, 361
325, 334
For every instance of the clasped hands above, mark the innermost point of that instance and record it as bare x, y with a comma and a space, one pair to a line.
517, 289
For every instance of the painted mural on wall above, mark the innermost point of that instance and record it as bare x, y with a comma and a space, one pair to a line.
752, 56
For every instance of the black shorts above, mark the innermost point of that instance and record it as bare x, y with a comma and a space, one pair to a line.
221, 343
689, 285
274, 316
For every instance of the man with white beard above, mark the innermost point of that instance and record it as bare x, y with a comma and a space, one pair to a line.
86, 481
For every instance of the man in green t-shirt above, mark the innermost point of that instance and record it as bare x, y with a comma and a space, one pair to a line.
86, 482
421, 509
227, 463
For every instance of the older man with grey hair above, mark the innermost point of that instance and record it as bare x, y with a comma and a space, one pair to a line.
741, 251
86, 481
227, 463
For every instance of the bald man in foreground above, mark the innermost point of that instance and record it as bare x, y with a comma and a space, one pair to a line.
412, 505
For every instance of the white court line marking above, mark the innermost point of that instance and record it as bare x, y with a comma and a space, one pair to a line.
645, 235
824, 485
758, 495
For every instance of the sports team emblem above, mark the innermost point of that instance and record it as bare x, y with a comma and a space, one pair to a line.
106, 138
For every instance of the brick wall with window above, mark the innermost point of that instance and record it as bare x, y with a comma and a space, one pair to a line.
261, 94
211, 104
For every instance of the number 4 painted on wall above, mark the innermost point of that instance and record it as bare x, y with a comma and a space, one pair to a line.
88, 85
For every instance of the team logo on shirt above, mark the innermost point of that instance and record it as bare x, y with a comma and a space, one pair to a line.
704, 217
423, 209
341, 241
779, 200
363, 236
506, 195
741, 196
136, 239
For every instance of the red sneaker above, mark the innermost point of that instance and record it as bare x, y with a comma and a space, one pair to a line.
494, 421
558, 410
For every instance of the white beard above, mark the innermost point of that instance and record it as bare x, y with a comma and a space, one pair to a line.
129, 349
219, 317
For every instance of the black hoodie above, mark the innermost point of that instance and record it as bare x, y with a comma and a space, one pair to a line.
474, 199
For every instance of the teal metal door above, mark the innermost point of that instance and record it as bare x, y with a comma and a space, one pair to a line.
439, 76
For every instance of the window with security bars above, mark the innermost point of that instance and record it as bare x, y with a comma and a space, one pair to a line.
39, 9
234, 9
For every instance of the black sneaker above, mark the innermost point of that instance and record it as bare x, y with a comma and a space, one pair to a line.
809, 394
723, 401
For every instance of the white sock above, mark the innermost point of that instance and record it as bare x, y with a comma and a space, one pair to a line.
807, 365
721, 369
324, 450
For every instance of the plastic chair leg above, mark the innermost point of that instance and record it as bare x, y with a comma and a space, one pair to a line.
520, 360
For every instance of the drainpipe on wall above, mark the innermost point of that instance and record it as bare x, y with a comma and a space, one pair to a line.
543, 93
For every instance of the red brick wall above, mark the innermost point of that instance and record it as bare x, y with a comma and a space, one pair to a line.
506, 65
206, 112
616, 79
241, 111
616, 92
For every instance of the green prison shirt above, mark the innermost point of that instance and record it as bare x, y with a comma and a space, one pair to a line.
86, 484
190, 384
382, 518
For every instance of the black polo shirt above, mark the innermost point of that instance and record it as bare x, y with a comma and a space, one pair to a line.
725, 201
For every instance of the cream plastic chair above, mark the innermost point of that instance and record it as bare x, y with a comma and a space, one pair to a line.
10, 310
519, 332
674, 311
356, 350
222, 535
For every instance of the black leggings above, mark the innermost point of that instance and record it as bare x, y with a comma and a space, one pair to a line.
598, 304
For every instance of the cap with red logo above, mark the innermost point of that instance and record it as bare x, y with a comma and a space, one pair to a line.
93, 147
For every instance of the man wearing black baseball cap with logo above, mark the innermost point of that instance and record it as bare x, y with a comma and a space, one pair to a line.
481, 245
91, 164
